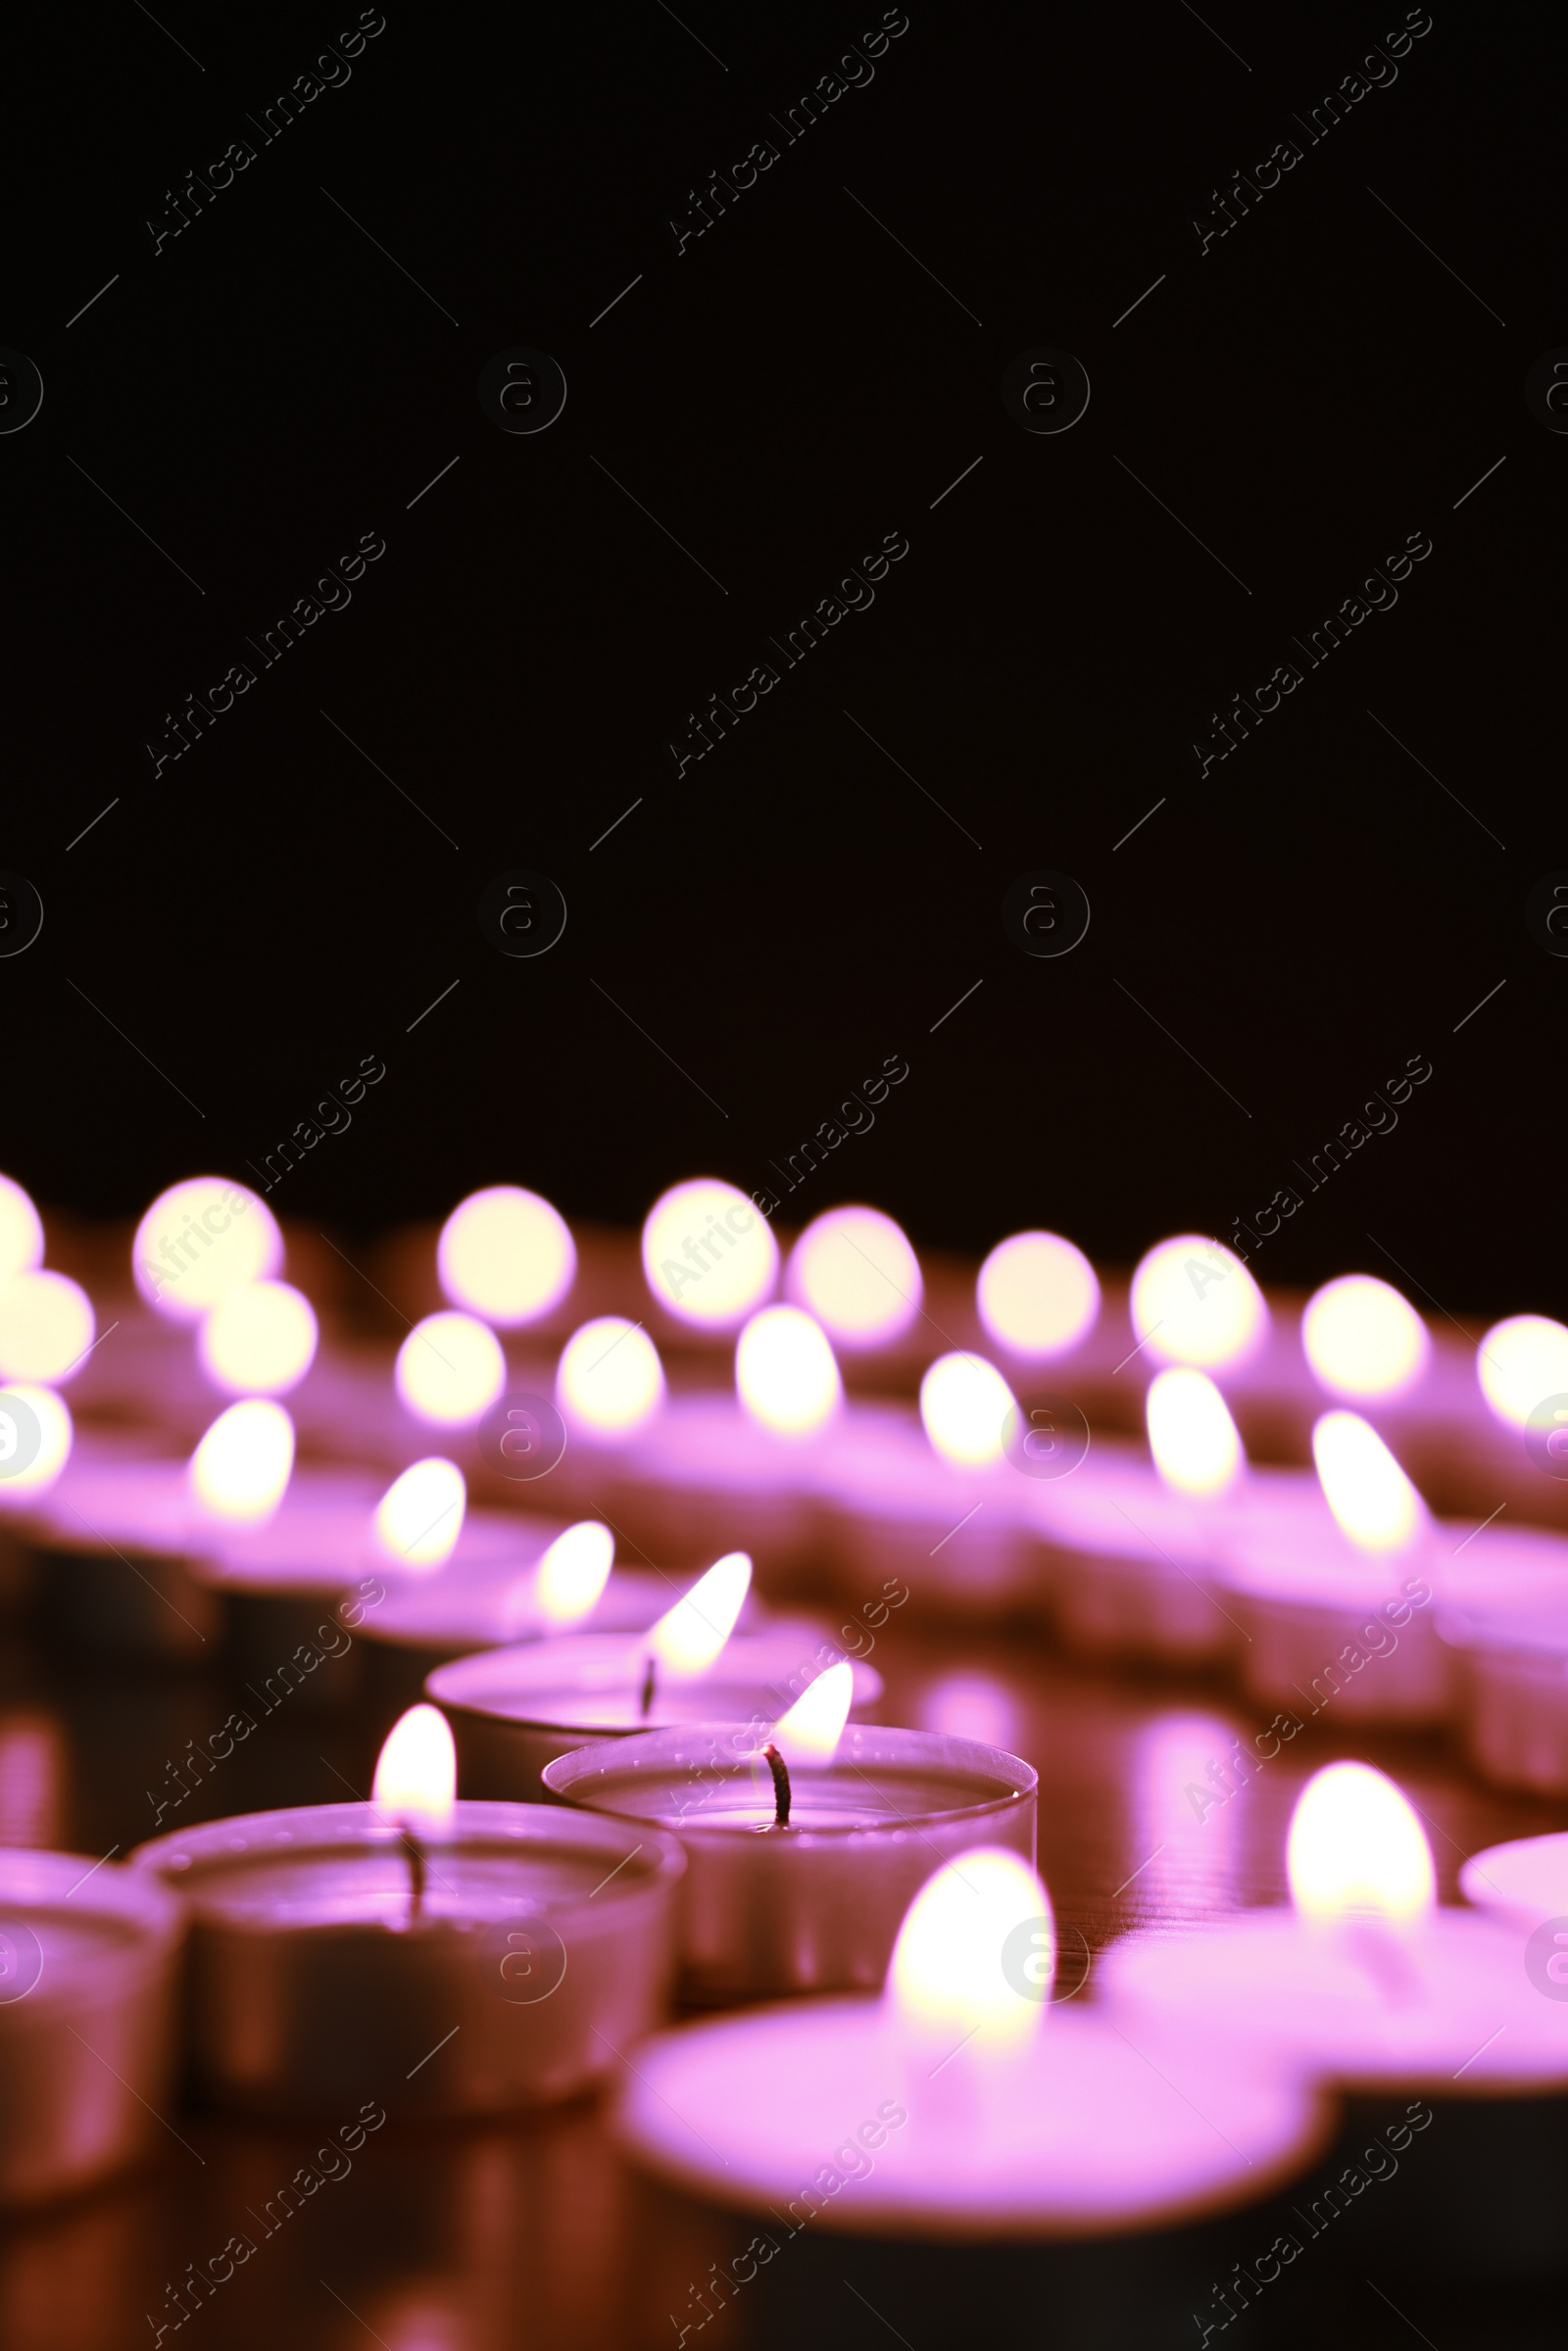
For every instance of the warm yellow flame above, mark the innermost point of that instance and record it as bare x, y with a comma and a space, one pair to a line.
1037, 1294
240, 1470
690, 1638
450, 1369
710, 1256
812, 1730
48, 1410
574, 1572
1357, 1847
785, 1372
856, 1271
505, 1253
20, 1233
1361, 1337
419, 1517
610, 1380
976, 1931
1371, 1498
1520, 1364
259, 1339
197, 1239
964, 1402
1191, 1433
1193, 1303
417, 1772
46, 1326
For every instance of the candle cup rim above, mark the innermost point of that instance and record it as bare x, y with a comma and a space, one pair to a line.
319, 1830
46, 1879
452, 1685
1015, 1784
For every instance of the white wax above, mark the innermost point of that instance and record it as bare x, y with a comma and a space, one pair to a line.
1446, 2006
1522, 1883
823, 2109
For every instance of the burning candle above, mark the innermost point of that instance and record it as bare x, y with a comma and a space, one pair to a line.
258, 1340
200, 1239
506, 1255
46, 1326
807, 1841
88, 1971
1363, 1340
452, 1958
1037, 1296
1193, 1301
514, 1710
708, 1257
450, 1370
853, 1268
962, 2107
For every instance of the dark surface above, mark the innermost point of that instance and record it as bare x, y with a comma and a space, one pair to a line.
534, 2234
1275, 419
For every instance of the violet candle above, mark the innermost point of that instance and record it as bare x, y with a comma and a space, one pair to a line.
88, 1973
442, 1957
804, 1890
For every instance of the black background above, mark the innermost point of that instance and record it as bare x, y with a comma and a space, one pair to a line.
1304, 395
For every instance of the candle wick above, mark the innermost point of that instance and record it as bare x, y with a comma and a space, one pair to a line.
646, 1701
781, 1786
413, 1854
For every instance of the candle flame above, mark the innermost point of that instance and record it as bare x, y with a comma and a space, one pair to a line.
964, 1402
1357, 1847
976, 1953
610, 1380
46, 1326
785, 1372
1371, 1498
20, 1232
259, 1339
856, 1271
689, 1638
1361, 1337
417, 1770
574, 1572
708, 1255
199, 1239
1193, 1301
1037, 1294
419, 1517
450, 1369
55, 1433
809, 1733
506, 1255
1520, 1364
241, 1468
1191, 1433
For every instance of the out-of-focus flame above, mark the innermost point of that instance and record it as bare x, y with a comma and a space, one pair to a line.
46, 1326
1371, 1498
199, 1239
708, 1256
506, 1255
610, 1381
572, 1572
1193, 1303
809, 1733
689, 1638
20, 1232
241, 1468
1362, 1338
53, 1418
964, 1402
450, 1369
419, 1517
1520, 1364
1356, 1849
856, 1271
259, 1339
1037, 1294
1191, 1433
417, 1770
785, 1372
958, 1972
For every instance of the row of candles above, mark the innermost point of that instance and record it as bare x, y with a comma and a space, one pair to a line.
703, 1836
1331, 1586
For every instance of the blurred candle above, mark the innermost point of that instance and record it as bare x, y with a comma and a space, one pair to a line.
1193, 1303
609, 1382
1363, 1339
1037, 1294
20, 1232
46, 1326
419, 1517
450, 1370
1520, 1364
506, 1256
854, 1270
785, 1372
708, 1257
199, 1239
258, 1340
241, 1468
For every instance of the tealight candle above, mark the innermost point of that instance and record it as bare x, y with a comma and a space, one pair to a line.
1380, 1991
1037, 1296
506, 1256
200, 1239
514, 1710
88, 1965
450, 1369
962, 2105
854, 1270
453, 1958
708, 1257
806, 1844
1363, 1340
